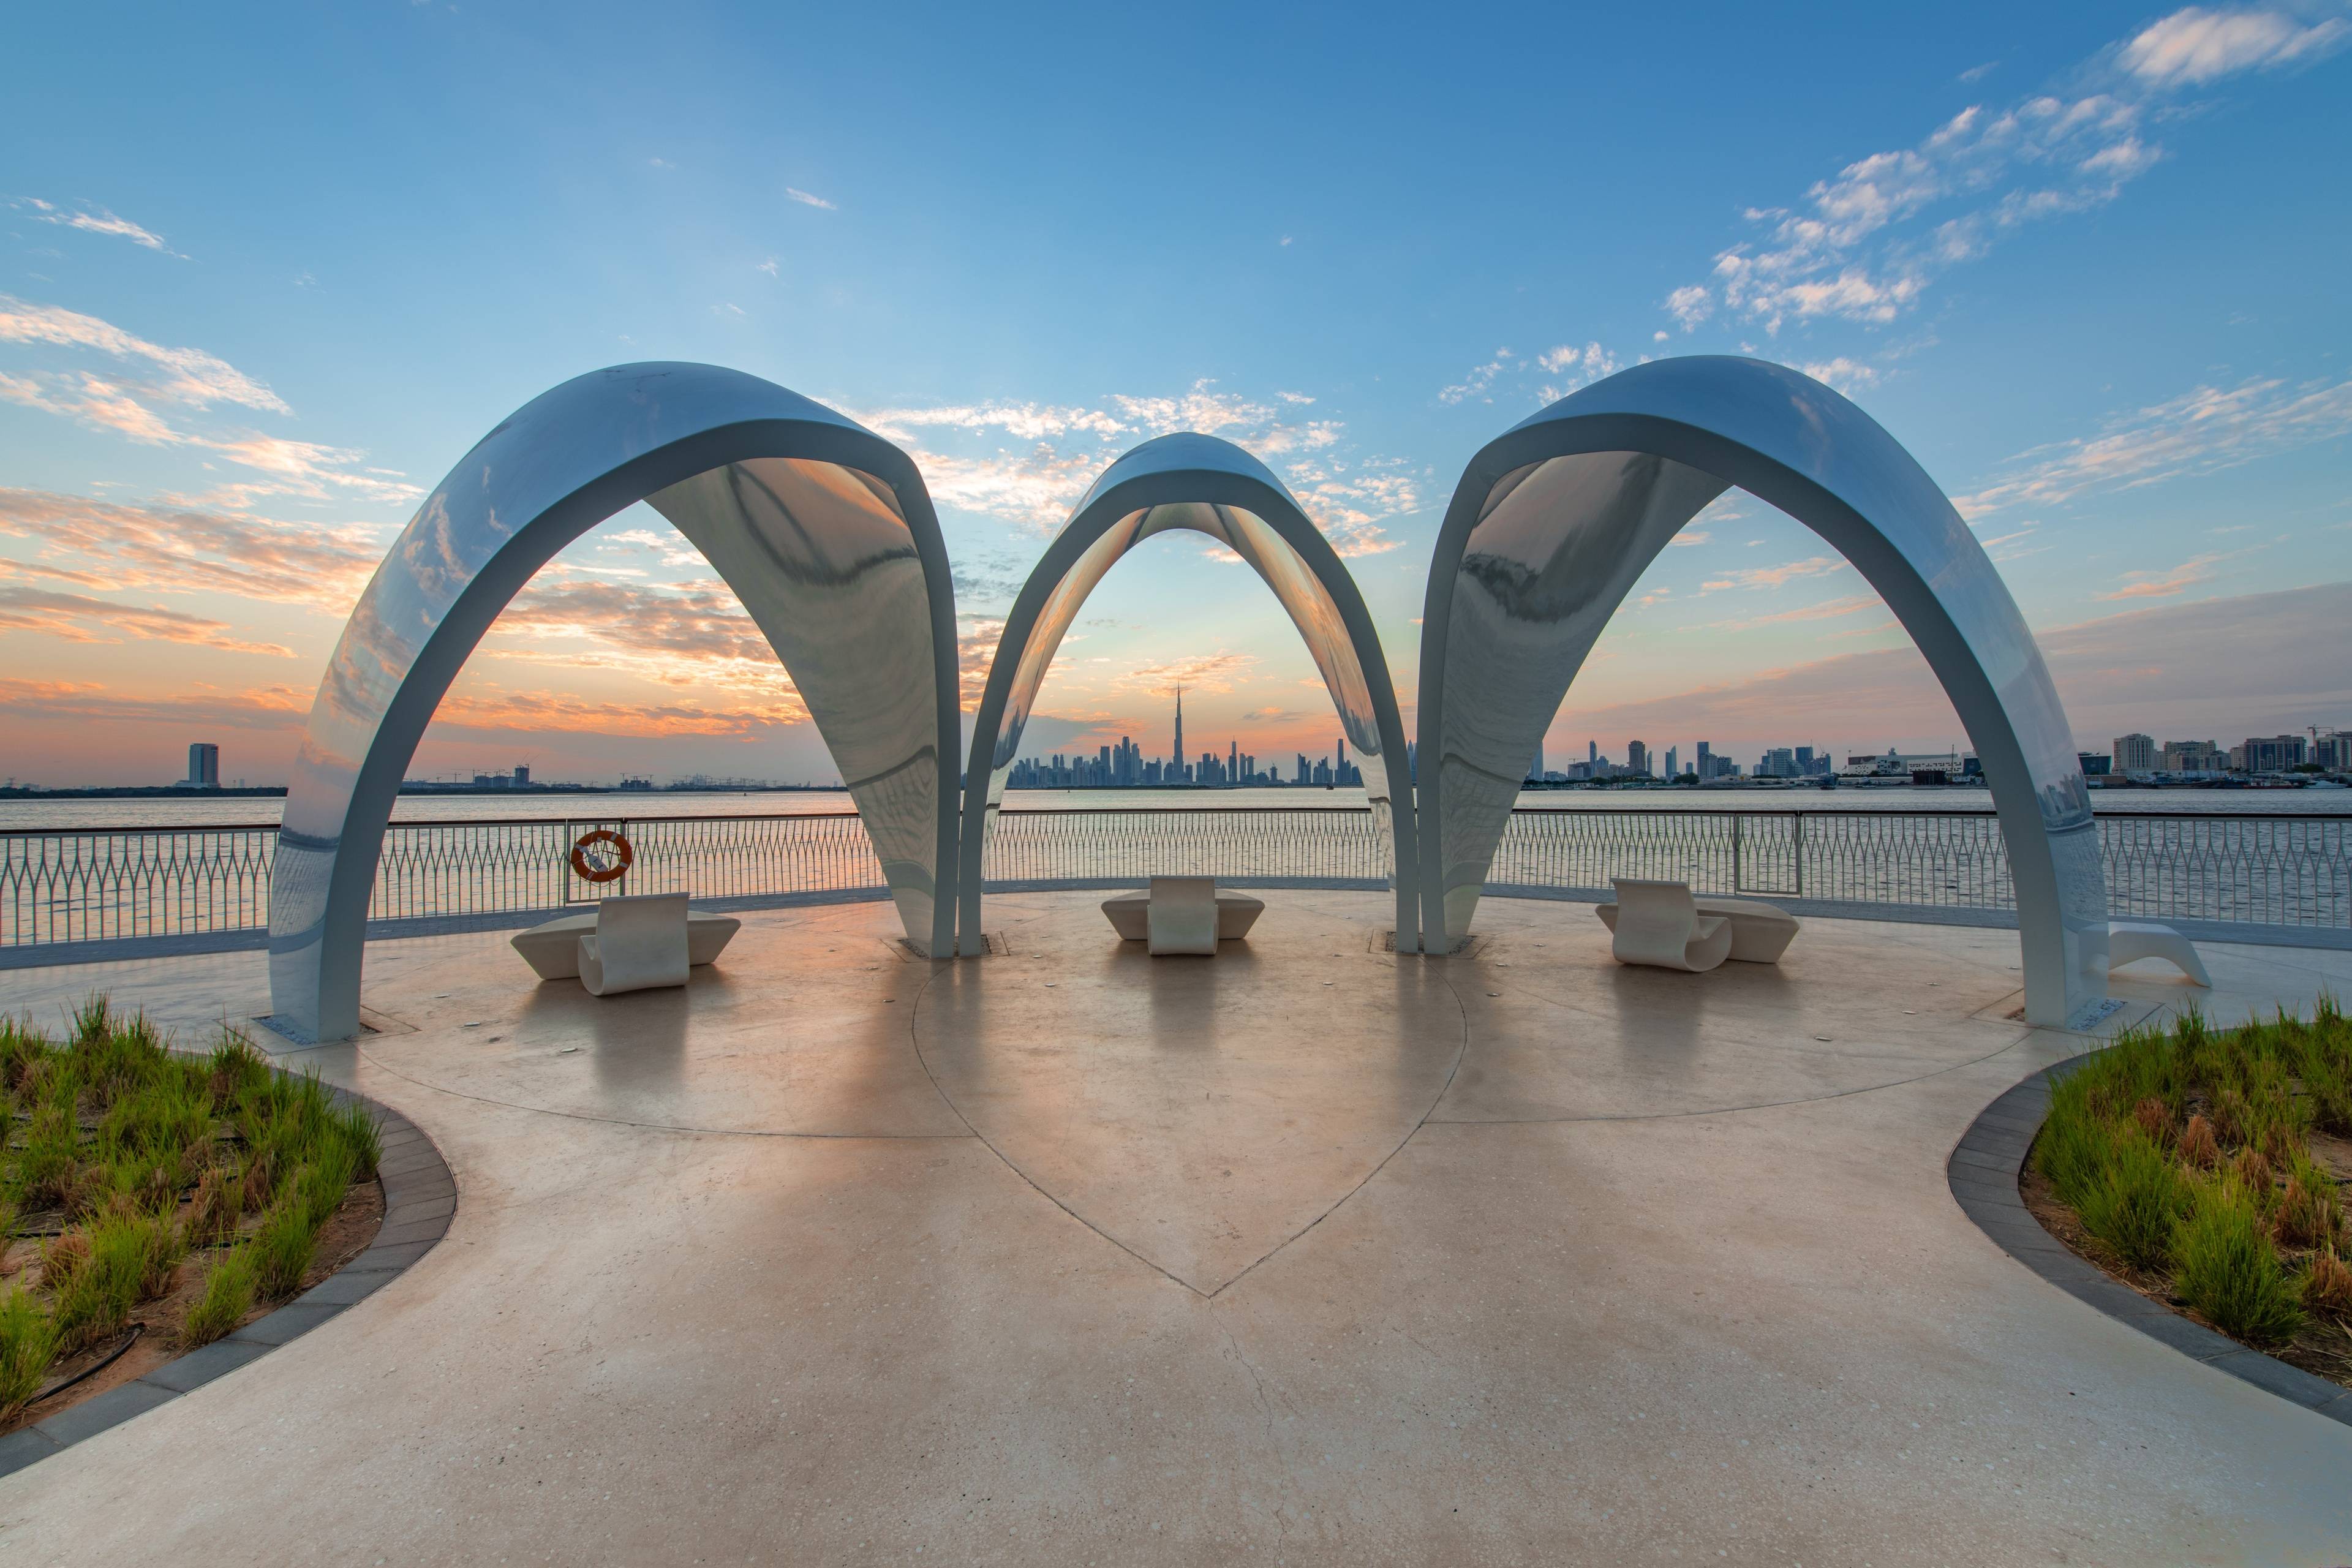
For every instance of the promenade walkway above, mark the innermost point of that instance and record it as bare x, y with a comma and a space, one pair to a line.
1304, 1254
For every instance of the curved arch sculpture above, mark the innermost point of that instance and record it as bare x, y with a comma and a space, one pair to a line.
822, 528
1213, 487
1555, 519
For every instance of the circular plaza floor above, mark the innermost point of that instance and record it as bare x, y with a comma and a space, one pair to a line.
1303, 1254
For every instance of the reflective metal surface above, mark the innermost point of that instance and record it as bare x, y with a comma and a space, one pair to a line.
1554, 520
1212, 487
823, 528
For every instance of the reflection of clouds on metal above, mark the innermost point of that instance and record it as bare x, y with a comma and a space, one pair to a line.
1212, 487
822, 528
1555, 519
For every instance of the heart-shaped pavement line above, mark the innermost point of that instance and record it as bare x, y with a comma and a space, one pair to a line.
1199, 1113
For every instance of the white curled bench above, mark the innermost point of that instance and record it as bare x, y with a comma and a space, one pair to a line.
2130, 940
1760, 932
1659, 925
553, 950
1172, 910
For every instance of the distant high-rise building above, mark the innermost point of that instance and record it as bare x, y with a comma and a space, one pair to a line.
523, 775
1179, 753
2333, 752
1304, 774
2135, 754
1673, 762
1706, 768
2194, 757
204, 766
2274, 755
1637, 758
1535, 769
1591, 753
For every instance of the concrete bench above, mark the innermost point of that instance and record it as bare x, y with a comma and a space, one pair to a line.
2129, 941
1130, 915
553, 950
1760, 932
1657, 925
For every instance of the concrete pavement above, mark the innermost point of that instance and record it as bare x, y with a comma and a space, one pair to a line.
1306, 1254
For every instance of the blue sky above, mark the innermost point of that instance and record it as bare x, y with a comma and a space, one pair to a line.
268, 270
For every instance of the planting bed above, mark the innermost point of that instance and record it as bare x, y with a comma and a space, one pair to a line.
152, 1202
2203, 1168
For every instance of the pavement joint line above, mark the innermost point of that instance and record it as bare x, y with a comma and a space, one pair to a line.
1991, 1200
163, 1384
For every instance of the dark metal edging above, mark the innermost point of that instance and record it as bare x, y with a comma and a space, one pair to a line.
1983, 1172
420, 1196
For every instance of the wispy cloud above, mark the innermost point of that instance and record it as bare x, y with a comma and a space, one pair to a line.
498, 711
90, 701
1564, 367
186, 375
192, 379
115, 547
78, 617
1021, 421
92, 219
2196, 45
1865, 244
807, 200
2202, 431
1346, 501
2168, 582
679, 635
1208, 673
1063, 446
1755, 577
1477, 383
1845, 375
1829, 610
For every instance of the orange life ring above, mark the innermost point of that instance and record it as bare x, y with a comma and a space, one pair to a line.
602, 868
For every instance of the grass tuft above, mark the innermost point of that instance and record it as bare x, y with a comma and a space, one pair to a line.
28, 1341
2229, 1270
283, 1247
2199, 1147
2327, 1287
2137, 1202
213, 1208
96, 1299
229, 1295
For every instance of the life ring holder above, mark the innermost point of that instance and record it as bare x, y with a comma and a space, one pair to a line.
601, 855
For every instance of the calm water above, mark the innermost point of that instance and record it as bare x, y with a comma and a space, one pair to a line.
199, 813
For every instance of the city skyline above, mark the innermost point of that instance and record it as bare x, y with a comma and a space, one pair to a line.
223, 388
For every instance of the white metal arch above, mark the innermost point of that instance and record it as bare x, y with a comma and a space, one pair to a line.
1211, 486
1555, 519
825, 530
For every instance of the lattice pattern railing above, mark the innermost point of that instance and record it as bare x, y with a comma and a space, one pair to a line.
2273, 870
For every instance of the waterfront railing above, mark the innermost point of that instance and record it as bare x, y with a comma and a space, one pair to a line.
2265, 876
